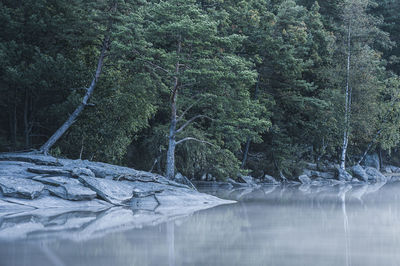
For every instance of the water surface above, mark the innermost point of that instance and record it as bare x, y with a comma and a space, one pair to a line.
340, 225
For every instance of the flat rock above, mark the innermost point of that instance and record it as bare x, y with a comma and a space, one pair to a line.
37, 159
56, 180
47, 202
20, 187
72, 192
80, 171
48, 170
115, 192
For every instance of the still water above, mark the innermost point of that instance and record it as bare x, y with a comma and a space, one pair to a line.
358, 225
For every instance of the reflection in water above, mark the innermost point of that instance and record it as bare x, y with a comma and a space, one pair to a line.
338, 225
171, 243
346, 227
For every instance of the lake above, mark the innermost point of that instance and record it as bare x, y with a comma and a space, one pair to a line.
272, 225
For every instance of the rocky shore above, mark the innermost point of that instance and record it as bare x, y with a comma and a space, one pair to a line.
34, 181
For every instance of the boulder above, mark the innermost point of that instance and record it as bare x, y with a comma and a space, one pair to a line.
318, 174
343, 175
391, 169
20, 187
248, 180
270, 180
304, 179
371, 160
374, 175
359, 172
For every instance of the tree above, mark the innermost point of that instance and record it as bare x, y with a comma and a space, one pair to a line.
209, 82
362, 68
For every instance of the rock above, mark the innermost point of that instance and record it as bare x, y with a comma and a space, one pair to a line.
374, 175
248, 180
312, 166
304, 179
270, 180
236, 184
115, 192
48, 170
56, 180
37, 159
72, 192
343, 175
145, 203
20, 187
318, 174
359, 172
80, 171
391, 169
184, 180
371, 160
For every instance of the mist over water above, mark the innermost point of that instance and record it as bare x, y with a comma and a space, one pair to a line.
340, 225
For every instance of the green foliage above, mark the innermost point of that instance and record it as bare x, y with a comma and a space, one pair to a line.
269, 71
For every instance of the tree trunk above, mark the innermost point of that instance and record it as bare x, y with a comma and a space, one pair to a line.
26, 120
170, 164
71, 119
170, 172
246, 152
13, 123
347, 104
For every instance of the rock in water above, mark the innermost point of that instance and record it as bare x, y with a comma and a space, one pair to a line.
374, 175
304, 179
343, 175
359, 173
270, 179
20, 187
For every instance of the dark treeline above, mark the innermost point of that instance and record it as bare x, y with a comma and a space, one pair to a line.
201, 86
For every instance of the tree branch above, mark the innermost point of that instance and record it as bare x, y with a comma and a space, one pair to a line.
194, 139
190, 121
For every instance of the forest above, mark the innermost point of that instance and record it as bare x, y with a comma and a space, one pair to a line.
206, 88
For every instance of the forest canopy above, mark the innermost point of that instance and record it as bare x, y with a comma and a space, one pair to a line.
201, 87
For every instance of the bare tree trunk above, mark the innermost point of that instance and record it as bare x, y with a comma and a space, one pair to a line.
170, 164
13, 123
71, 119
26, 119
347, 104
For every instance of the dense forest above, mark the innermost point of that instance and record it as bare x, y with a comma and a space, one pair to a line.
201, 87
